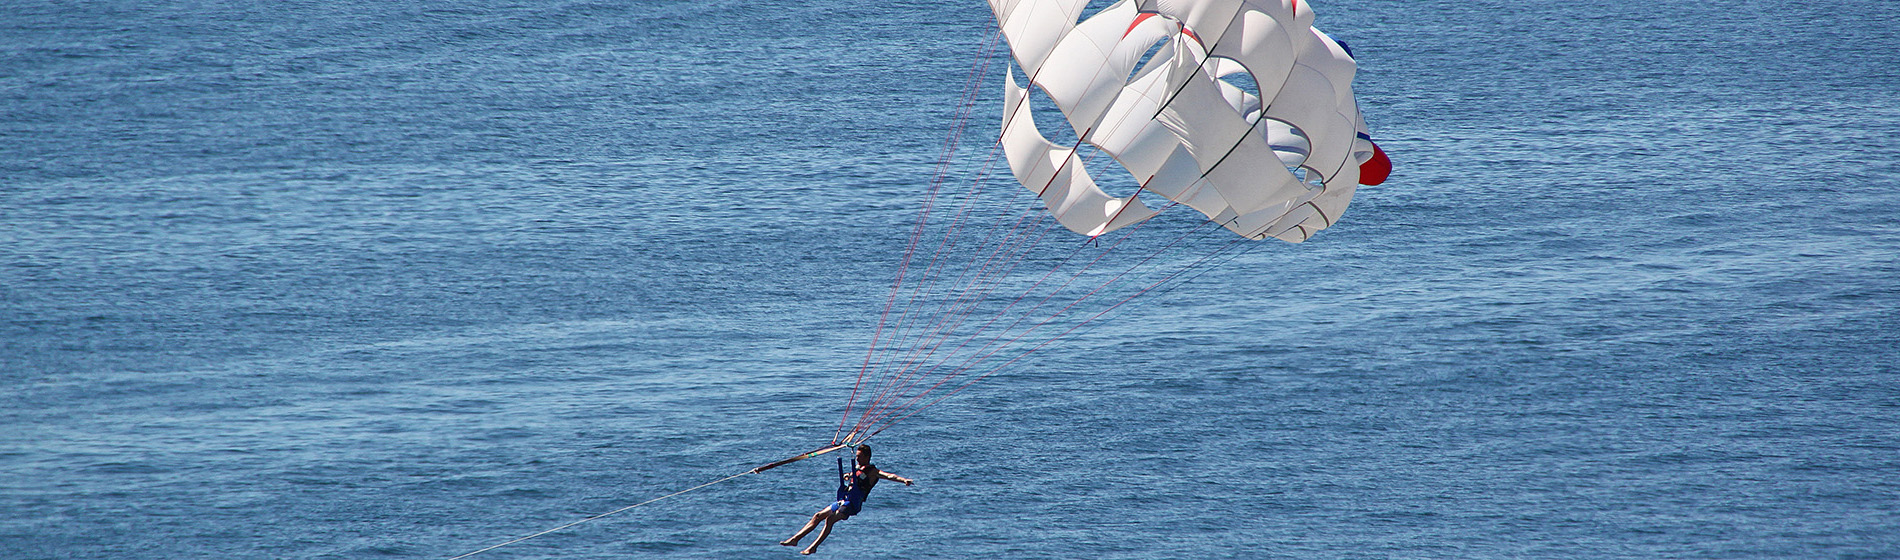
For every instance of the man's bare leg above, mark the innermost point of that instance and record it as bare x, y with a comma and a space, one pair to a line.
807, 530
829, 521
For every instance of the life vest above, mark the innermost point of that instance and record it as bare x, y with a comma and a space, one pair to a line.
856, 486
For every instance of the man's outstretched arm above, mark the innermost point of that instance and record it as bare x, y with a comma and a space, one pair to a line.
891, 476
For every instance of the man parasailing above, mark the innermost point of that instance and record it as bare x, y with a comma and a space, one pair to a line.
853, 487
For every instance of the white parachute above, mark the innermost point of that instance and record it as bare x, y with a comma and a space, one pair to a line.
1280, 163
1236, 108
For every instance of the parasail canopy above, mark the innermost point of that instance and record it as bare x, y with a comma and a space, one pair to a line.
1239, 109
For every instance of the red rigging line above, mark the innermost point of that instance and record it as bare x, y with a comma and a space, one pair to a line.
992, 347
954, 311
1005, 248
904, 379
882, 417
913, 311
1098, 290
948, 154
979, 67
933, 331
914, 410
969, 299
881, 414
896, 381
899, 384
1039, 303
1019, 298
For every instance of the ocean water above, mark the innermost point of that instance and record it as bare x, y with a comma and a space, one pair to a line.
405, 280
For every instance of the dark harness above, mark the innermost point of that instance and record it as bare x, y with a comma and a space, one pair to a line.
853, 488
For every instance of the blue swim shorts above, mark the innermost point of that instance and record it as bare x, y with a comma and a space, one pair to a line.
849, 508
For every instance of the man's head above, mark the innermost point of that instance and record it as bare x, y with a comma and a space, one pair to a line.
864, 453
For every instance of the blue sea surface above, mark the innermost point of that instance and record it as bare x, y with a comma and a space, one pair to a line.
355, 279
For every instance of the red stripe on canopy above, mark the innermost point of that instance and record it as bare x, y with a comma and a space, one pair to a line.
1138, 19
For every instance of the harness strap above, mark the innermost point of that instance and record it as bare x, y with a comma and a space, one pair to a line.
843, 488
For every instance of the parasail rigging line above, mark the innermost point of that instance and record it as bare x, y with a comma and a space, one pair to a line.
905, 379
1091, 319
754, 470
871, 411
1014, 253
1010, 252
591, 518
912, 312
1210, 267
907, 319
896, 380
992, 348
1053, 291
966, 108
913, 411
968, 300
907, 408
970, 89
925, 281
904, 321
938, 334
909, 252
926, 340
899, 386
